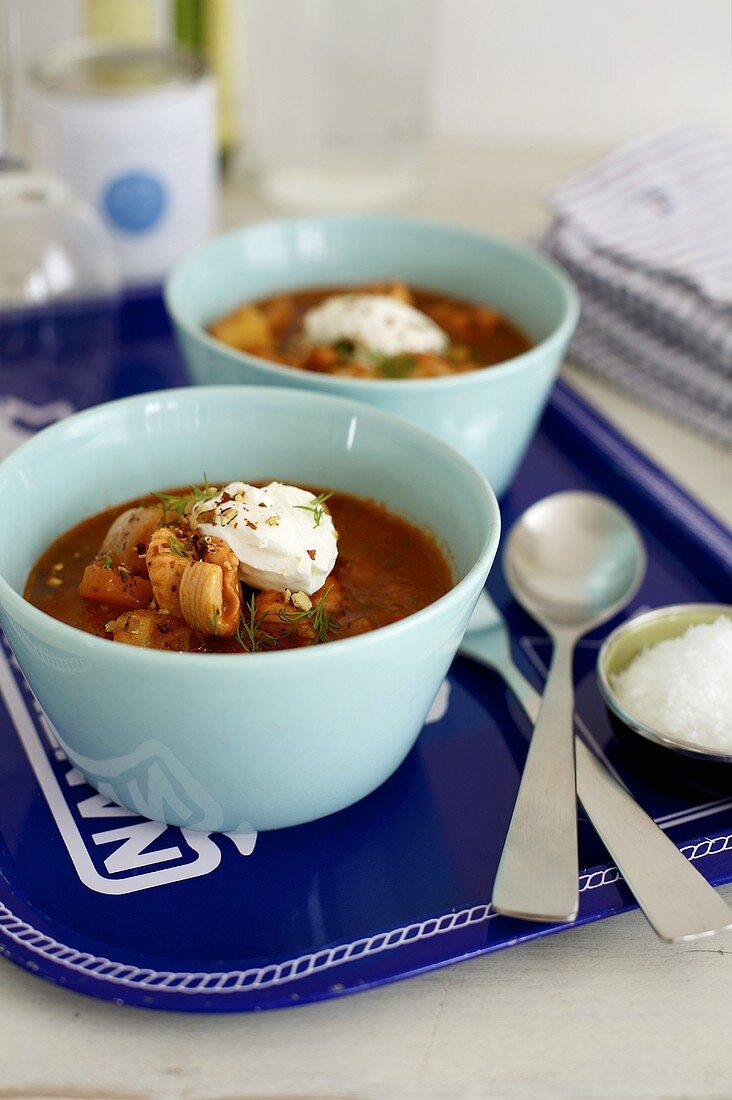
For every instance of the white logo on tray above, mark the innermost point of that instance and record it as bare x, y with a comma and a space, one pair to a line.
113, 850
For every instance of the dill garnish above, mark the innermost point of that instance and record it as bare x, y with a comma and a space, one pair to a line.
213, 622
455, 353
344, 349
107, 563
179, 505
177, 546
393, 366
249, 633
323, 624
316, 507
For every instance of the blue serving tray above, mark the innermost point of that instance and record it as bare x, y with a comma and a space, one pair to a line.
107, 903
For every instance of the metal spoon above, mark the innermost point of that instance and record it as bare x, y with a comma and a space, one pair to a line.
572, 560
678, 902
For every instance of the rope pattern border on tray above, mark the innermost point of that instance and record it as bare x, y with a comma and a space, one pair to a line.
146, 979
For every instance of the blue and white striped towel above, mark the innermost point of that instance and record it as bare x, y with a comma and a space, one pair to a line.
647, 235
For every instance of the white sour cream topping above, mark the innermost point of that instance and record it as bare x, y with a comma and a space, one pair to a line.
274, 532
376, 322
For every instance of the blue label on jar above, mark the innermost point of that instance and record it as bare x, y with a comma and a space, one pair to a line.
134, 203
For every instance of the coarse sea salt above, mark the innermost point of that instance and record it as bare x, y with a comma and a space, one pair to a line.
682, 687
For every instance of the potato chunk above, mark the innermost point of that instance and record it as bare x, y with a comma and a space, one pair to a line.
103, 583
247, 329
154, 630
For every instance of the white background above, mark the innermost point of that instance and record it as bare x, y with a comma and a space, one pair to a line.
543, 73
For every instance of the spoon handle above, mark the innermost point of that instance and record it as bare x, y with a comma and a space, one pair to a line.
678, 902
537, 877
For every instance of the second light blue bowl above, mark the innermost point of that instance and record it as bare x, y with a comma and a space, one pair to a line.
490, 415
232, 741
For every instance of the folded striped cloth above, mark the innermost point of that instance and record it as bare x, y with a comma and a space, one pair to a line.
647, 236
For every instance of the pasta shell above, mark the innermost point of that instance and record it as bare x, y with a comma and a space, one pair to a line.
220, 554
201, 596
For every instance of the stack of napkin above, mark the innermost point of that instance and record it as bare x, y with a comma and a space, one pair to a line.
647, 236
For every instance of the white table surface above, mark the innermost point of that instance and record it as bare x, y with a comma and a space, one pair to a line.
602, 1011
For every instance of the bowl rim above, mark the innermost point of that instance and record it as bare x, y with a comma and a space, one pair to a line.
561, 331
24, 612
666, 741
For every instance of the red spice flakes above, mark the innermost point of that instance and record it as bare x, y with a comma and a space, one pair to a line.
311, 554
252, 525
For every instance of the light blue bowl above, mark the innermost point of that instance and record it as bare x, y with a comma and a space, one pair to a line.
232, 741
490, 415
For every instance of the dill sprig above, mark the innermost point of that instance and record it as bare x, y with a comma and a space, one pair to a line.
393, 366
107, 563
249, 633
322, 622
316, 507
177, 546
344, 349
180, 504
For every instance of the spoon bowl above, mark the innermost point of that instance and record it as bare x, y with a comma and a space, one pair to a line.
574, 559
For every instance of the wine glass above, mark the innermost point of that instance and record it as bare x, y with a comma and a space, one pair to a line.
59, 285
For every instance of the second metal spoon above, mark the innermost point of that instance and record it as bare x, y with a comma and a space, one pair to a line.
572, 560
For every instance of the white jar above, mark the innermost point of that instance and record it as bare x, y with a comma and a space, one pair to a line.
132, 129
